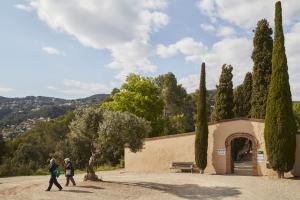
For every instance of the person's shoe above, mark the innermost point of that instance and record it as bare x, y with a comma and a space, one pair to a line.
60, 189
47, 190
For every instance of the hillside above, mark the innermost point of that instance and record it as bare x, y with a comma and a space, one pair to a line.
18, 114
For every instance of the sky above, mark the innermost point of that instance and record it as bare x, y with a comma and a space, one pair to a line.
77, 48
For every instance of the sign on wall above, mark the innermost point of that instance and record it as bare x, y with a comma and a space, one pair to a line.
221, 152
260, 156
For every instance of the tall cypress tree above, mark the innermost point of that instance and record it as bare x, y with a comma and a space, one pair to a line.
224, 97
242, 97
201, 125
262, 58
247, 90
280, 127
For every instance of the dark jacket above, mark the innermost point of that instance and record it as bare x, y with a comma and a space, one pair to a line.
69, 166
52, 168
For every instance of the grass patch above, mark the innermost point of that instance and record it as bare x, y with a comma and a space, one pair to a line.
101, 168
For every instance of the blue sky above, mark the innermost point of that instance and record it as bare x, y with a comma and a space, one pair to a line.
76, 48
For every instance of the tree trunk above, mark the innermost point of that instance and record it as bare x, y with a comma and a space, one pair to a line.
90, 173
280, 174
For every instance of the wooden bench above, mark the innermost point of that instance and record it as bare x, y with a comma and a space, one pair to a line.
188, 166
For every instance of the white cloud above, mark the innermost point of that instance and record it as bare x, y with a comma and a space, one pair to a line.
53, 51
207, 27
234, 51
190, 82
26, 8
78, 88
186, 46
122, 27
293, 51
5, 89
225, 31
237, 52
245, 13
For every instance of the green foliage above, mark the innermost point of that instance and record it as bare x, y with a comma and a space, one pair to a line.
2, 148
242, 97
178, 105
238, 100
224, 98
262, 58
280, 127
139, 96
296, 109
85, 126
176, 124
119, 130
105, 134
31, 151
201, 125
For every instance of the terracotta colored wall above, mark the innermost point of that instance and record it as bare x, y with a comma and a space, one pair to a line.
159, 153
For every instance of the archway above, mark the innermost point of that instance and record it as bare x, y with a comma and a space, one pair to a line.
228, 144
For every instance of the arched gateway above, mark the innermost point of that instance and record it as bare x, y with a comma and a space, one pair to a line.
158, 153
228, 145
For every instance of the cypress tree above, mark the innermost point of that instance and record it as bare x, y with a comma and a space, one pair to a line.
242, 97
247, 90
262, 59
224, 97
201, 125
280, 127
238, 99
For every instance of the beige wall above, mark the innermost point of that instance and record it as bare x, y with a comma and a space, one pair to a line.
159, 153
296, 171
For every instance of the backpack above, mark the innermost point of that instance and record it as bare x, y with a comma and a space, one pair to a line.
56, 172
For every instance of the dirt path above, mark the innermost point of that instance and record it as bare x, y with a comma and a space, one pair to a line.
120, 185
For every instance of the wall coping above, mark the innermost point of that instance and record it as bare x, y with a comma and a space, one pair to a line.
169, 136
209, 124
236, 119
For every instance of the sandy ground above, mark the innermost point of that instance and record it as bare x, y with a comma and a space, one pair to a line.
125, 185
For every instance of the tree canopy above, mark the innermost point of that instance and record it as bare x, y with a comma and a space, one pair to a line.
107, 133
178, 105
262, 59
139, 96
242, 97
224, 98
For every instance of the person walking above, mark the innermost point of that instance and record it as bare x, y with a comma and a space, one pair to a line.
53, 169
69, 171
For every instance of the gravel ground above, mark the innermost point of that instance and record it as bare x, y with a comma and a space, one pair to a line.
128, 185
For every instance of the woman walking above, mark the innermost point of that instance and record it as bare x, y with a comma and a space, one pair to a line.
53, 169
69, 172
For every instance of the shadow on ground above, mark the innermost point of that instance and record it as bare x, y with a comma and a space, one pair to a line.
188, 191
91, 187
77, 191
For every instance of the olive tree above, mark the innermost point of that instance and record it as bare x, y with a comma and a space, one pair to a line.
107, 133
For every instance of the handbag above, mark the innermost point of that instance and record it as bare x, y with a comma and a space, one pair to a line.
68, 172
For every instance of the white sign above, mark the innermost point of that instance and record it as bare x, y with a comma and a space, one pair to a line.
221, 152
260, 156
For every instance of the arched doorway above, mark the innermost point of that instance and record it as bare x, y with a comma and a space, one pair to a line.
228, 144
